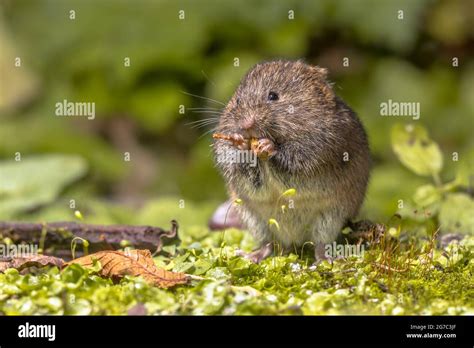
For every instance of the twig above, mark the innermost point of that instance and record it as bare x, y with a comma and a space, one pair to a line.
60, 234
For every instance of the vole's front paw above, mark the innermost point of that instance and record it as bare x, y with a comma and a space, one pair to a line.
264, 148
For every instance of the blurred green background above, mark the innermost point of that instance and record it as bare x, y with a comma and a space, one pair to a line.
137, 107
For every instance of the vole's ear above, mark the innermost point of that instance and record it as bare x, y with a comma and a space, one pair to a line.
323, 85
322, 72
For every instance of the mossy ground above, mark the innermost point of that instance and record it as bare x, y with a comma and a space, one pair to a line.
409, 280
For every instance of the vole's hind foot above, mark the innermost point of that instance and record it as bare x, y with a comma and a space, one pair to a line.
321, 255
259, 254
365, 231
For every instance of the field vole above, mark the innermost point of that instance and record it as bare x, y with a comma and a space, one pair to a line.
304, 138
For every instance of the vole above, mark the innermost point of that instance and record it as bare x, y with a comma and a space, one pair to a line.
306, 140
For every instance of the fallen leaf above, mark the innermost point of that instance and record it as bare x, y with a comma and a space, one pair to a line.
23, 262
116, 264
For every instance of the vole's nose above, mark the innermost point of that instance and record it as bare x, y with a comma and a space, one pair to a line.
247, 123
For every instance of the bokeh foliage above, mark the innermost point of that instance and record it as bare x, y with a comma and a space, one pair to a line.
137, 111
137, 107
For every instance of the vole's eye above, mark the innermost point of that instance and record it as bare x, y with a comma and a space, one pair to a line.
272, 96
237, 101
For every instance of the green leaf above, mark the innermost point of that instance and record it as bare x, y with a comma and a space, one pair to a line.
79, 307
35, 181
74, 275
202, 266
183, 267
426, 195
465, 171
416, 150
456, 214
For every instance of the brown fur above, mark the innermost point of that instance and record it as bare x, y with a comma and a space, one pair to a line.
311, 130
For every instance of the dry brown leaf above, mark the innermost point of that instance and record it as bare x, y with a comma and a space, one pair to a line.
116, 264
22, 262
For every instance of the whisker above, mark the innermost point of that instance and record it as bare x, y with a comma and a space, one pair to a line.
213, 115
212, 130
207, 77
205, 108
201, 125
204, 120
205, 98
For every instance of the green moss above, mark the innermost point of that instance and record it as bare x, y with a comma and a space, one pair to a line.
279, 285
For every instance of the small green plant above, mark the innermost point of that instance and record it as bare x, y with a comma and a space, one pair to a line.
85, 246
448, 205
78, 215
273, 222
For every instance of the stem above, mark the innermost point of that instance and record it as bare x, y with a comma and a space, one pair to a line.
437, 180
44, 231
